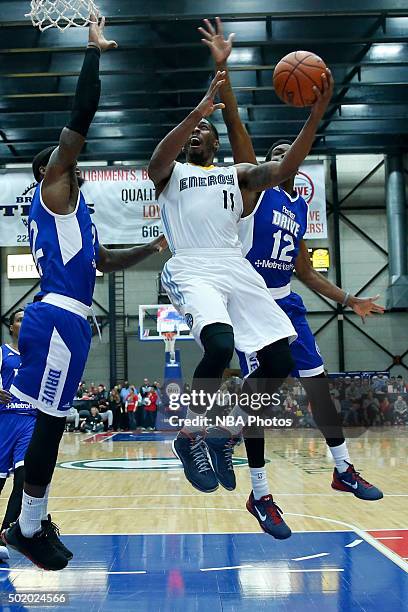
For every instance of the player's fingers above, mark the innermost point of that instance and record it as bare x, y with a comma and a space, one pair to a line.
217, 86
102, 23
204, 33
210, 27
317, 93
220, 26
231, 38
219, 106
207, 42
325, 84
218, 77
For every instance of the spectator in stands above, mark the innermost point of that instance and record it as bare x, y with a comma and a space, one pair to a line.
115, 405
378, 385
72, 420
385, 411
124, 392
93, 422
131, 404
150, 409
371, 409
145, 388
335, 395
353, 392
102, 394
400, 411
82, 391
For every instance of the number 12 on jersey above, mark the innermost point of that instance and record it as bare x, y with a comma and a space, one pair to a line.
284, 253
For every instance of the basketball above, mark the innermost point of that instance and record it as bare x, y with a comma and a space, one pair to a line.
295, 75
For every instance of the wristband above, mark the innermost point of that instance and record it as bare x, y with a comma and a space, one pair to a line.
345, 300
92, 45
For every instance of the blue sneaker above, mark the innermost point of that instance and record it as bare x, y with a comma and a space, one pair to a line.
268, 515
192, 452
350, 481
221, 449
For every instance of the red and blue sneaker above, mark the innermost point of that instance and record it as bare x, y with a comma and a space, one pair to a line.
268, 515
350, 481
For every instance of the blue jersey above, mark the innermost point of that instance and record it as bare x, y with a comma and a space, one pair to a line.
271, 235
65, 249
10, 362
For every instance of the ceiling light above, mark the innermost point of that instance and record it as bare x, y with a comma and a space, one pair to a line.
386, 50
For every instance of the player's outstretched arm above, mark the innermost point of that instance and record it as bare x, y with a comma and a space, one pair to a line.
241, 143
112, 260
364, 307
267, 175
165, 154
57, 186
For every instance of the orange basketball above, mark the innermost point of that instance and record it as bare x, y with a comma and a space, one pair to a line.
295, 75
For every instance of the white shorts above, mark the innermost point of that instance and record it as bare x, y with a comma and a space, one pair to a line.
221, 286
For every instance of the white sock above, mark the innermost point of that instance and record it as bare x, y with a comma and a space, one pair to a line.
259, 482
198, 424
31, 515
238, 413
44, 516
340, 455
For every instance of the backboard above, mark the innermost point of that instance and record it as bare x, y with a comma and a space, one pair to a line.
155, 319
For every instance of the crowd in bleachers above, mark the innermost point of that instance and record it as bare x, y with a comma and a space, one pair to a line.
361, 401
123, 408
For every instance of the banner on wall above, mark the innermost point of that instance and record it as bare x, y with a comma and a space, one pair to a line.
310, 184
123, 203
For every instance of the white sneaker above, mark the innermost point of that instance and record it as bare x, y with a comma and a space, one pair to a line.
4, 553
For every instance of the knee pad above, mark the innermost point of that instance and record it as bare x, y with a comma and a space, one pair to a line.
218, 342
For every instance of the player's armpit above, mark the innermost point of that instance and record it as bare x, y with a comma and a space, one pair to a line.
56, 189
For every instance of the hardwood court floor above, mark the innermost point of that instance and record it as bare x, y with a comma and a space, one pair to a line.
103, 485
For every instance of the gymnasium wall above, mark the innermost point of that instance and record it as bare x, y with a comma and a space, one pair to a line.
360, 261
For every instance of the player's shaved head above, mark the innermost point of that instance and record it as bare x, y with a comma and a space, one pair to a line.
40, 161
282, 141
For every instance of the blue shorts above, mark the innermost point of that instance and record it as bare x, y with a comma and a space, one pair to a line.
16, 431
305, 351
54, 346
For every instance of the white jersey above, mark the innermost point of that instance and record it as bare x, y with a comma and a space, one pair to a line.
201, 207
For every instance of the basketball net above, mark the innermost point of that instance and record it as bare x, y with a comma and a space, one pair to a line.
170, 343
62, 14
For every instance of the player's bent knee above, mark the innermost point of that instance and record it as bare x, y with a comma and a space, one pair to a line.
276, 359
218, 342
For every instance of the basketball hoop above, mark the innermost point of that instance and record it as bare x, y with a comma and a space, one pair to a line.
62, 14
170, 343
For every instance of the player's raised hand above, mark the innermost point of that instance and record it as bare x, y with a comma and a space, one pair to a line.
214, 39
207, 105
5, 396
324, 95
97, 36
365, 307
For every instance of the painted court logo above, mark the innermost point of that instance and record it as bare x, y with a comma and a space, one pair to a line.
144, 463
